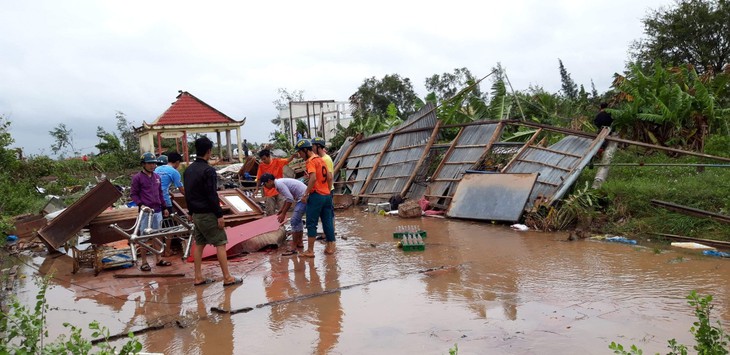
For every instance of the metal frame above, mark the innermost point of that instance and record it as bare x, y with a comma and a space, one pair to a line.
137, 238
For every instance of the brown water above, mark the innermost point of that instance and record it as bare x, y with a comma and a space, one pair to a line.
492, 291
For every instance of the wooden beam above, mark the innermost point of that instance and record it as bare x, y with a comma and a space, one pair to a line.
522, 150
454, 143
556, 151
342, 160
424, 154
495, 136
545, 164
375, 166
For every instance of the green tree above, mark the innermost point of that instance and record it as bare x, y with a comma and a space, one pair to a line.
63, 137
695, 32
667, 106
373, 97
446, 85
7, 155
568, 86
109, 142
126, 132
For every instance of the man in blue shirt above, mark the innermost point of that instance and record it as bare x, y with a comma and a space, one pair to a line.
291, 190
169, 176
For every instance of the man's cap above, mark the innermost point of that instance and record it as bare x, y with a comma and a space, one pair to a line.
266, 177
148, 158
318, 141
303, 143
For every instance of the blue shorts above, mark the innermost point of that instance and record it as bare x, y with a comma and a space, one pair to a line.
296, 218
145, 223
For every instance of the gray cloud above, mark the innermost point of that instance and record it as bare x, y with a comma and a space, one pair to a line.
79, 62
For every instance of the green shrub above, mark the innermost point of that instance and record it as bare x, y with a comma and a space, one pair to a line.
24, 331
717, 144
711, 340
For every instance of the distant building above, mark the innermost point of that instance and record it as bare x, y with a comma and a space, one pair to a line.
321, 118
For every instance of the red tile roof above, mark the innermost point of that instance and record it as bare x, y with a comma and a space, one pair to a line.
188, 109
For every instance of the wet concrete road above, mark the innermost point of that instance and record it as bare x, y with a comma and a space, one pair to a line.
484, 287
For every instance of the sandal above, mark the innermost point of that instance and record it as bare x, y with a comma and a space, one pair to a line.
145, 267
236, 281
163, 263
289, 253
308, 254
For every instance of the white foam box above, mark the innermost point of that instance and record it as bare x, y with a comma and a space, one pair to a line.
377, 207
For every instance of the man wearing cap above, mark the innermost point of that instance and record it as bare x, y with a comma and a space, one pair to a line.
146, 191
273, 166
169, 176
318, 199
318, 146
292, 191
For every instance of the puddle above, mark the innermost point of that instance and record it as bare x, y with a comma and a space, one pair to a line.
484, 287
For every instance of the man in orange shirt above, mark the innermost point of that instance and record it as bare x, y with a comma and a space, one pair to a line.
318, 199
274, 166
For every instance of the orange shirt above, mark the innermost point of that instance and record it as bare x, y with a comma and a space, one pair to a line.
316, 165
276, 168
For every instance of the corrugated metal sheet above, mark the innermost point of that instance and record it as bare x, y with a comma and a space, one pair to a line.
399, 159
72, 219
496, 197
467, 149
555, 165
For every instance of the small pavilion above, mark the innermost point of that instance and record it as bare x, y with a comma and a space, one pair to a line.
188, 115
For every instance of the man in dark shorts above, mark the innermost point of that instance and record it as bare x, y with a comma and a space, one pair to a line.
201, 197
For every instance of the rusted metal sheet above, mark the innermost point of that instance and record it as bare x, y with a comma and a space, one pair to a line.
466, 149
27, 226
496, 197
72, 219
557, 165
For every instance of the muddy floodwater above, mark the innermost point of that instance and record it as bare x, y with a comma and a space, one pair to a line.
484, 287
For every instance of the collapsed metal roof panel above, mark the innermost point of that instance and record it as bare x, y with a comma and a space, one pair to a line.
557, 165
467, 148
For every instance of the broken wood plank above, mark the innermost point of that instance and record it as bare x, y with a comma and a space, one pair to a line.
691, 211
521, 151
147, 275
545, 164
424, 154
556, 151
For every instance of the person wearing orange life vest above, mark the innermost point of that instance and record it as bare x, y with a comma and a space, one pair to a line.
274, 166
318, 199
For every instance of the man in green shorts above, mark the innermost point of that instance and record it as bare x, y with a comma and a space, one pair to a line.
201, 197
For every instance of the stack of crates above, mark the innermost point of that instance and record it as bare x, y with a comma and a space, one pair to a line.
411, 238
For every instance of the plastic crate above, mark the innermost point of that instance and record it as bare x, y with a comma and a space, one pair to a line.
417, 247
399, 235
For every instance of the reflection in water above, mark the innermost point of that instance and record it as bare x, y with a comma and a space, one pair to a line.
487, 288
297, 276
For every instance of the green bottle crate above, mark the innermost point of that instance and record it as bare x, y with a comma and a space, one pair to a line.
399, 235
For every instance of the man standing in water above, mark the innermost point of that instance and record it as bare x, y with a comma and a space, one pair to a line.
292, 190
146, 191
318, 199
201, 197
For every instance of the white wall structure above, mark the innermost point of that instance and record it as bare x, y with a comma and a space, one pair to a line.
321, 118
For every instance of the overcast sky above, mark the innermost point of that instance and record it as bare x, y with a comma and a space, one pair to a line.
79, 62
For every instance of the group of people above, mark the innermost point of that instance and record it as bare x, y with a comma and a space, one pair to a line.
313, 200
150, 191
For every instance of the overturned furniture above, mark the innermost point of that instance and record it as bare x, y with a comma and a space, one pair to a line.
149, 238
